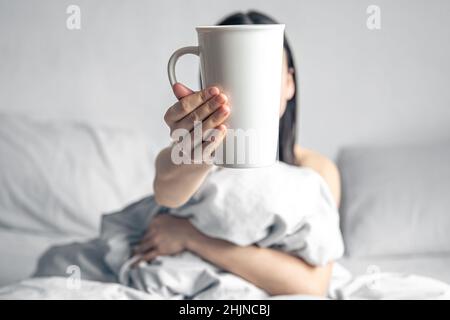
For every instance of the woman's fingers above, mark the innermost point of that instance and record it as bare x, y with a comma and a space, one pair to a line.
215, 119
145, 245
181, 91
150, 255
212, 142
188, 104
195, 138
203, 152
201, 113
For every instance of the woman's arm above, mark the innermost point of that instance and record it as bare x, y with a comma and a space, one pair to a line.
276, 272
174, 184
323, 166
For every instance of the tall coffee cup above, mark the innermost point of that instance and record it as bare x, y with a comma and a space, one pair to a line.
244, 62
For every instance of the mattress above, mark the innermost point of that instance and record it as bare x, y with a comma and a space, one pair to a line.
436, 266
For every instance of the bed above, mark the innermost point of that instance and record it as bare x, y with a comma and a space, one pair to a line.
58, 177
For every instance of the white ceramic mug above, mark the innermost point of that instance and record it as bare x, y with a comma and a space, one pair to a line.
245, 62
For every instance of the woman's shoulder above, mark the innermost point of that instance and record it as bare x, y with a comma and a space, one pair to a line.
310, 158
323, 166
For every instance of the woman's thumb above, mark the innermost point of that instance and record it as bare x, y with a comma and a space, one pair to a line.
181, 91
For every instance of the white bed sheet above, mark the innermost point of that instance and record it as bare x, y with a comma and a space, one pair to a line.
20, 251
20, 255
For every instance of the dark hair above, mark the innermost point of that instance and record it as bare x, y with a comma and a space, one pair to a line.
287, 131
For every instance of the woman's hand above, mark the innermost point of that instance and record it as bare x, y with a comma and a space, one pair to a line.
209, 108
166, 235
174, 184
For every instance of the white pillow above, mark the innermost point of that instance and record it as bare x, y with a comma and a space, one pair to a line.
61, 177
396, 200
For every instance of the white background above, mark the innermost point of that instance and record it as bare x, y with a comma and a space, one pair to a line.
356, 86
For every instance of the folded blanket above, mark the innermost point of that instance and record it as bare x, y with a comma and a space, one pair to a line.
281, 206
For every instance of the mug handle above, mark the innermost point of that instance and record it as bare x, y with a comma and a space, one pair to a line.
174, 58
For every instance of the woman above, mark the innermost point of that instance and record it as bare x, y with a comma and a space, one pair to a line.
274, 271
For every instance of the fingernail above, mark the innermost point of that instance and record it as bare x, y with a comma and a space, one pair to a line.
213, 91
224, 110
220, 99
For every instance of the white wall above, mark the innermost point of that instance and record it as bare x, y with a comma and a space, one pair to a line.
357, 86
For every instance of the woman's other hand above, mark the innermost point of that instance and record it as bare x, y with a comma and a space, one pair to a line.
166, 235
